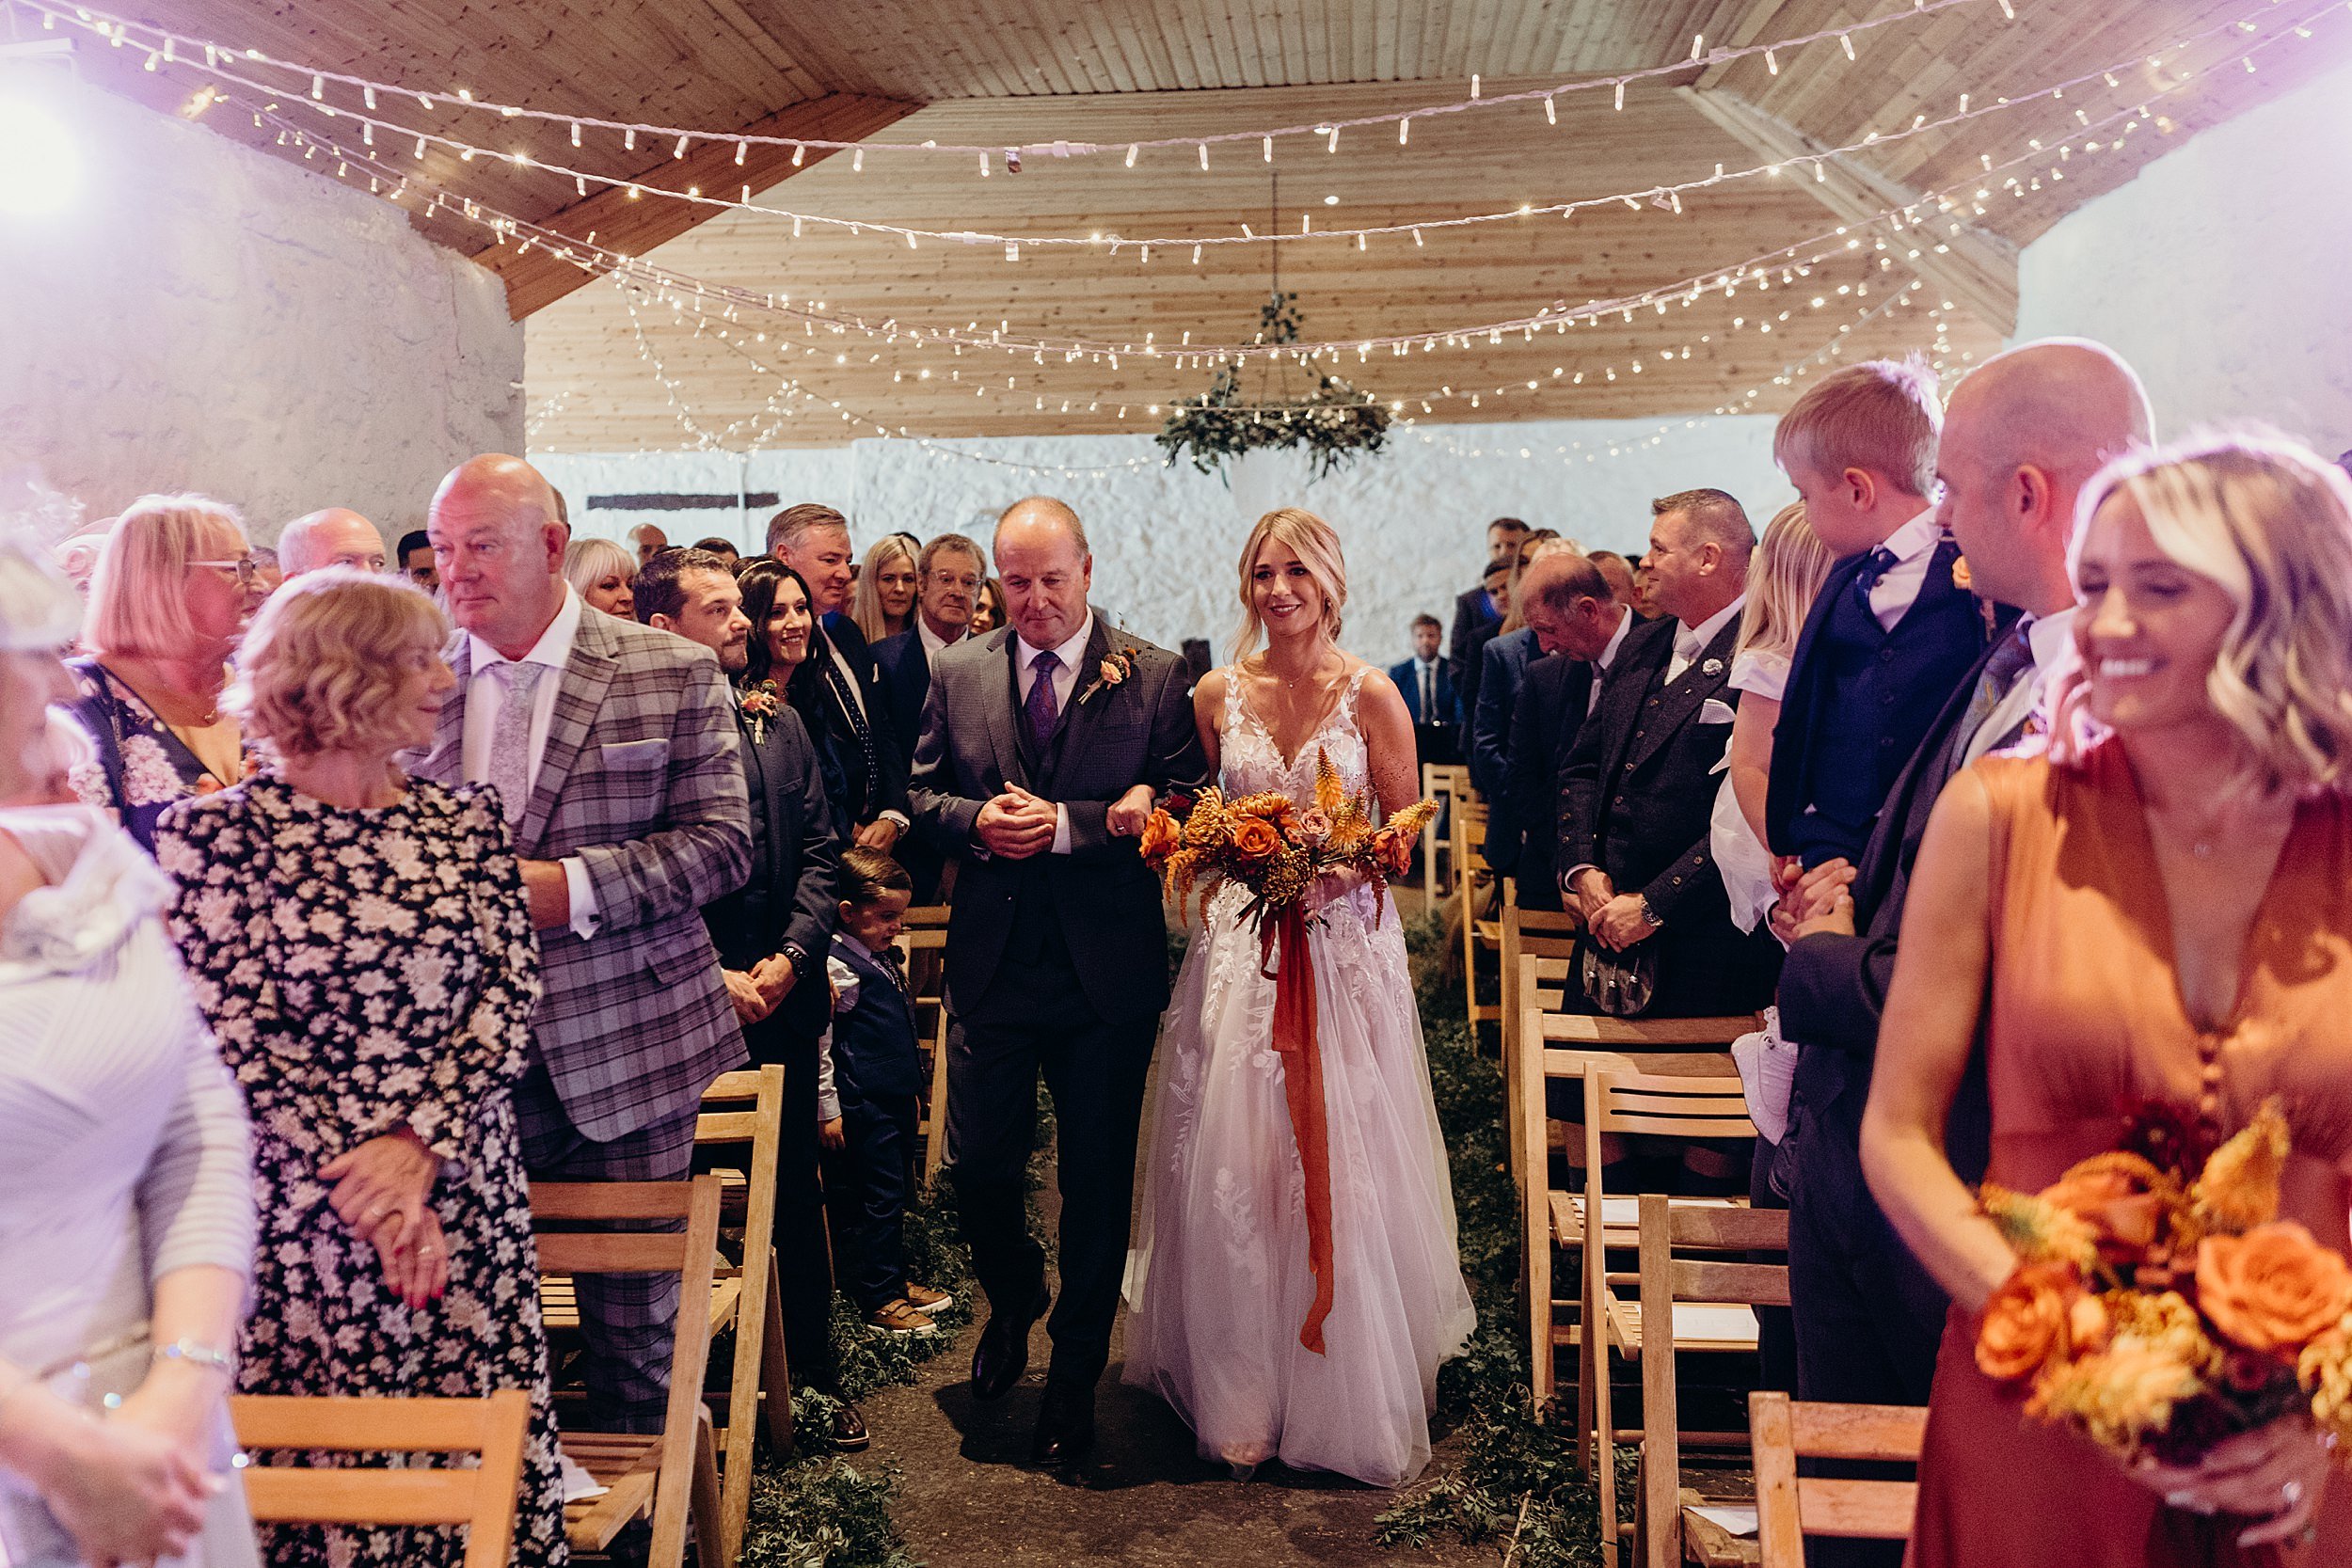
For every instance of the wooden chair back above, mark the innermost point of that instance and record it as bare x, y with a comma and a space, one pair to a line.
1449, 786
481, 1498
925, 949
1470, 872
660, 1469
1790, 1507
743, 1114
1539, 985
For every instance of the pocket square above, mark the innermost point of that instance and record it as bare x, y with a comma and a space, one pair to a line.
635, 753
1716, 711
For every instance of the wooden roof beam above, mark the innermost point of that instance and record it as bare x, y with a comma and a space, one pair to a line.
1972, 267
536, 279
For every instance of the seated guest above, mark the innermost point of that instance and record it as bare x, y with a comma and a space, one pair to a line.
337, 536
126, 1233
360, 944
949, 574
174, 589
1479, 609
870, 1097
1501, 661
646, 539
887, 583
1617, 572
416, 560
1580, 625
719, 548
838, 691
1640, 783
602, 573
988, 609
1894, 626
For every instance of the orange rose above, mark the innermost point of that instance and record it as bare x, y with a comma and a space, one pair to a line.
2115, 1199
1256, 842
2025, 1321
2272, 1289
1395, 850
1161, 835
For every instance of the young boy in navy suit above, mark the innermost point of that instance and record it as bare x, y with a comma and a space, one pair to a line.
869, 1080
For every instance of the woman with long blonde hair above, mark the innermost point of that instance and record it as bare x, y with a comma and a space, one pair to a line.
1219, 1288
882, 604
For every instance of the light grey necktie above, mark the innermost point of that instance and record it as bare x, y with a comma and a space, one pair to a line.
510, 736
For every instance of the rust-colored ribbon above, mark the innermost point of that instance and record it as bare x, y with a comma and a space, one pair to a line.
1302, 1086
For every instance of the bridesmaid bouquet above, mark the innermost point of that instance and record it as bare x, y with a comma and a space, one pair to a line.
2160, 1305
1276, 847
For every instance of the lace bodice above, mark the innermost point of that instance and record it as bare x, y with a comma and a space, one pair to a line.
1252, 763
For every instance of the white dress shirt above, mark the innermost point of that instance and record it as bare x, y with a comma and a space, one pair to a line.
933, 644
1912, 545
1072, 654
1690, 642
486, 694
2051, 640
1607, 656
1426, 689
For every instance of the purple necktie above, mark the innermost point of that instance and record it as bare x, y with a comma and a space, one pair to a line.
1043, 711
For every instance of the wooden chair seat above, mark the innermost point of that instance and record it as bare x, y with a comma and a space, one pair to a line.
1790, 1507
1709, 1544
628, 1466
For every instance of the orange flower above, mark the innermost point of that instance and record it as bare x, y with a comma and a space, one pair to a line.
1161, 835
1255, 841
2272, 1289
2117, 1195
1395, 850
2025, 1321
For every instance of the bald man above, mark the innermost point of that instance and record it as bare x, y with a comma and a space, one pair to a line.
2022, 435
335, 536
612, 751
648, 539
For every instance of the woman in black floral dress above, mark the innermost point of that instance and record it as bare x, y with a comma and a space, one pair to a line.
360, 943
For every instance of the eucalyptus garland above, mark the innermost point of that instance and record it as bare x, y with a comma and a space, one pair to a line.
1334, 422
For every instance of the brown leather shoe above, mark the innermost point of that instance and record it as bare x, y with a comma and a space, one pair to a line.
849, 1428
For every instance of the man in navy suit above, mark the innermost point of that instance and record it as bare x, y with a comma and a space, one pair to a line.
1479, 611
949, 574
1428, 690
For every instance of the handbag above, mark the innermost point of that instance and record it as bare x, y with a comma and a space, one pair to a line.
1619, 984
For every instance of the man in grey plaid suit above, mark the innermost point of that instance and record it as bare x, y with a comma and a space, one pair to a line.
612, 746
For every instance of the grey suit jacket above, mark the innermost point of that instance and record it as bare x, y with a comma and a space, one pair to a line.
1114, 737
642, 780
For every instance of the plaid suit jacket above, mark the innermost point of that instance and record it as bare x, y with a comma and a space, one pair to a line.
642, 780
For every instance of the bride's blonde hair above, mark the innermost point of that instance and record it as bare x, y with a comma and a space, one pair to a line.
1317, 546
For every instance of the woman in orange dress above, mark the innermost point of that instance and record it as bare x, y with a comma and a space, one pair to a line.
2157, 910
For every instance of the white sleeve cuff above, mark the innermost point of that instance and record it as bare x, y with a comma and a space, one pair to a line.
900, 817
1061, 829
586, 918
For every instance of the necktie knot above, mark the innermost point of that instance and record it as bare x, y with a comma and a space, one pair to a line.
1045, 664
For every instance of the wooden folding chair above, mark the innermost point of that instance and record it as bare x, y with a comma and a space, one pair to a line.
924, 945
1670, 1233
1448, 785
1790, 1507
1469, 872
743, 1114
1546, 934
672, 1475
480, 1498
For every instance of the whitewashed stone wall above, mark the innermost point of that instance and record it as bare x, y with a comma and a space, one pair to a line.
207, 318
2221, 272
1167, 540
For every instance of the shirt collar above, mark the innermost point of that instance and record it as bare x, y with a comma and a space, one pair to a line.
932, 642
1069, 653
1916, 537
555, 647
2051, 638
1616, 640
1691, 640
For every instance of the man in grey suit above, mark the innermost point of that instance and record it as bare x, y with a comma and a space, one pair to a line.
614, 748
1044, 746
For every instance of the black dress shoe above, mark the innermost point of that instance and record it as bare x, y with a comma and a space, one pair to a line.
1003, 1354
849, 1428
1065, 1424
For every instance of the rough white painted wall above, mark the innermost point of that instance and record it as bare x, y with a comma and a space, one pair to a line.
1165, 540
2223, 272
206, 318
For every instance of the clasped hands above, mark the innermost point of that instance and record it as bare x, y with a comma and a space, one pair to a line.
1016, 824
1812, 902
381, 1188
1616, 919
760, 989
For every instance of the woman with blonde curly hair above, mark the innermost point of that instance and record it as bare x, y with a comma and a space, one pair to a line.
359, 942
2157, 908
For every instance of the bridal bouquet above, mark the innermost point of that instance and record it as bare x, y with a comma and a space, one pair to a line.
2160, 1305
1277, 848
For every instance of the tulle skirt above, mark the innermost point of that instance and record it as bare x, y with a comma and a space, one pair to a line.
1217, 1285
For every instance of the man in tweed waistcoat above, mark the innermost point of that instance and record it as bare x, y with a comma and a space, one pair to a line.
612, 749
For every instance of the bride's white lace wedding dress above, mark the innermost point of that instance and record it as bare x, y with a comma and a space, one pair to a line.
1217, 1285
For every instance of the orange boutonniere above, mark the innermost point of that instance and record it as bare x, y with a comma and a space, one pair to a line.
759, 703
1960, 579
1113, 671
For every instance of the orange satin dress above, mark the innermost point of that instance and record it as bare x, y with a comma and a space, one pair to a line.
2084, 1019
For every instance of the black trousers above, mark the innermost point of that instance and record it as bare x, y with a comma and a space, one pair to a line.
866, 1187
1035, 1016
788, 1038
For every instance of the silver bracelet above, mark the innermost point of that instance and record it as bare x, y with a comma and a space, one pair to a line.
198, 1354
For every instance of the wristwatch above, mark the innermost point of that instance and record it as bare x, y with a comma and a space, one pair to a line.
1650, 914
797, 956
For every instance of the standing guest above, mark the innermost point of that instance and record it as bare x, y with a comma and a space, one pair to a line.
646, 539
127, 1231
949, 574
173, 592
1640, 784
1580, 625
1479, 608
2152, 911
887, 585
602, 573
1501, 662
871, 1098
612, 747
1617, 572
1429, 694
838, 691
988, 609
337, 536
1469, 647
1895, 627
416, 561
2026, 431
728, 554
772, 932
360, 944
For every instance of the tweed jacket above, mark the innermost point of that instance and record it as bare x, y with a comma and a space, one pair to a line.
642, 780
1112, 737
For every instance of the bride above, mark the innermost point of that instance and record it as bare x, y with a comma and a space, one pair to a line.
1218, 1285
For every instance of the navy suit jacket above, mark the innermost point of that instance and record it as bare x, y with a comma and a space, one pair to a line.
1474, 612
1408, 682
1553, 699
1503, 663
904, 676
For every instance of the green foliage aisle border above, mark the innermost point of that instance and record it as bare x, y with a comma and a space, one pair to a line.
1517, 1483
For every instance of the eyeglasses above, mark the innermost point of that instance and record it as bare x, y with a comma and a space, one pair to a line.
247, 568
